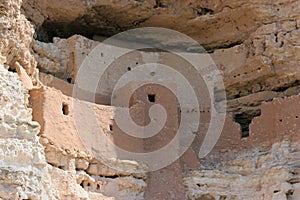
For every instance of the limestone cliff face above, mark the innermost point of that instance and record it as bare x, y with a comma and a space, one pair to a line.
254, 43
16, 37
254, 175
24, 171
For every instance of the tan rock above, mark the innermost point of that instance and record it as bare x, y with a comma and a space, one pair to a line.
24, 171
82, 164
296, 191
254, 43
251, 176
26, 80
63, 57
15, 38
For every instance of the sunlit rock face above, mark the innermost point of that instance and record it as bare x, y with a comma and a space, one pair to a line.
254, 44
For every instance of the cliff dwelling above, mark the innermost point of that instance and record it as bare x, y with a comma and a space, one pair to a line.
131, 120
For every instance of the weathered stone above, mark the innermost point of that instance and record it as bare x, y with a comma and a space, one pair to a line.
82, 164
59, 84
15, 38
215, 24
127, 187
63, 57
254, 43
24, 171
26, 80
253, 175
265, 130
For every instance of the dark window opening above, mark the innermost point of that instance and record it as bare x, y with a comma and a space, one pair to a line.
204, 11
244, 119
65, 109
289, 194
110, 127
69, 80
151, 97
12, 70
159, 4
129, 68
98, 187
61, 167
81, 184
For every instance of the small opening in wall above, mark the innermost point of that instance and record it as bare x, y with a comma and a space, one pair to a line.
223, 197
29, 102
159, 4
61, 167
81, 184
12, 70
65, 109
151, 97
289, 194
111, 127
98, 187
245, 119
69, 80
128, 68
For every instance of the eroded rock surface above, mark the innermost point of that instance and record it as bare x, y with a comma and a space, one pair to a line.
214, 24
24, 172
16, 36
254, 43
254, 175
264, 66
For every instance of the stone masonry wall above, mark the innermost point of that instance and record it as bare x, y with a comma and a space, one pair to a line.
254, 43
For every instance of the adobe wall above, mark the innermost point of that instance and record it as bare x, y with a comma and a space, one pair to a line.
254, 43
278, 122
58, 115
55, 112
58, 126
230, 144
65, 150
265, 131
263, 164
